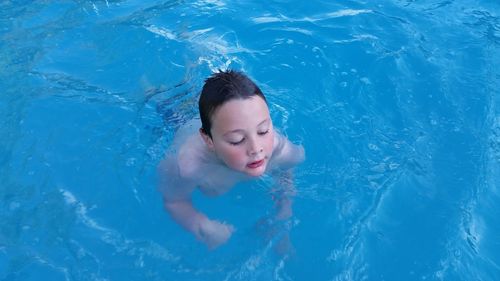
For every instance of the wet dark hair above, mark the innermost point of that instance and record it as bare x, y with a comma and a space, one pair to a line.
221, 87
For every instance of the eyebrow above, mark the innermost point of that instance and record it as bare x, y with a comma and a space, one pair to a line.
240, 130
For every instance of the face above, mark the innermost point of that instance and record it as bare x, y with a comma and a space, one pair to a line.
242, 135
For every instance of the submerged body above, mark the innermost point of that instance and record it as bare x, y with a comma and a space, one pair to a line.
243, 145
194, 163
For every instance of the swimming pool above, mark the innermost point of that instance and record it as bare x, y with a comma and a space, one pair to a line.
396, 103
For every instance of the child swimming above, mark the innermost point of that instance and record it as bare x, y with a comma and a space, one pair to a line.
236, 142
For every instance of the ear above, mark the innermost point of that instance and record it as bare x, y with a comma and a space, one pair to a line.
207, 139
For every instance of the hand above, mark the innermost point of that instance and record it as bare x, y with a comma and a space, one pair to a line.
214, 233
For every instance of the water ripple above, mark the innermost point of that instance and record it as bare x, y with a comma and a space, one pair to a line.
316, 18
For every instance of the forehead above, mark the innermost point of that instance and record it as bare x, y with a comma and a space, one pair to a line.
239, 112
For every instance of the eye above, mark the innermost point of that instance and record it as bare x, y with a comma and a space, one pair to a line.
237, 142
263, 132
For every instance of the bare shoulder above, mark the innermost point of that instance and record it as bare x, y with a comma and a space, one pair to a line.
190, 157
285, 153
179, 172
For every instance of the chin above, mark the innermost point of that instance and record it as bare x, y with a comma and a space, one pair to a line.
254, 175
256, 172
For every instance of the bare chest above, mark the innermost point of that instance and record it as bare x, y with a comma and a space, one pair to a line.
217, 180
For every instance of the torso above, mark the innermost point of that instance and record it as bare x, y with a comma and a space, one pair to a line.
218, 180
212, 176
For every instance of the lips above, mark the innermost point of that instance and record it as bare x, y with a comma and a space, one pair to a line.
255, 164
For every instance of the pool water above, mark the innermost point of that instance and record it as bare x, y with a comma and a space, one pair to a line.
396, 103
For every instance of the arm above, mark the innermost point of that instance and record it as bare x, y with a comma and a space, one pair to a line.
285, 156
283, 195
177, 188
176, 193
280, 224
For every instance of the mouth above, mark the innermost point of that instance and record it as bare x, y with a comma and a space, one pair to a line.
255, 164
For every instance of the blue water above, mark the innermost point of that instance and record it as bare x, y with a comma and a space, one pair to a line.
396, 103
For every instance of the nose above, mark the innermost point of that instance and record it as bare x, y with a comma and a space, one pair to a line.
255, 147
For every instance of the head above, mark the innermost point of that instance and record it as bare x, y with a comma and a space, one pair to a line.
236, 124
